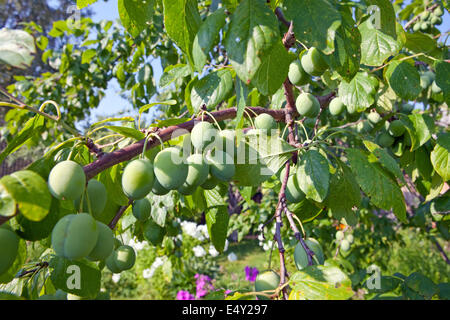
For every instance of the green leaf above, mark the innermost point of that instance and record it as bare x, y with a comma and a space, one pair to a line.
420, 128
212, 89
419, 42
174, 72
421, 285
84, 3
376, 183
356, 94
321, 283
31, 127
136, 15
344, 195
112, 178
17, 48
128, 119
376, 46
273, 70
66, 273
127, 132
150, 105
314, 175
384, 18
385, 159
87, 55
214, 198
440, 156
182, 21
442, 79
30, 193
207, 36
169, 122
305, 210
404, 79
241, 98
315, 22
252, 32
217, 219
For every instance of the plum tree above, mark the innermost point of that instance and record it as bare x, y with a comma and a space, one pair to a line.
336, 106
313, 63
138, 178
301, 257
67, 180
269, 281
170, 168
142, 209
96, 192
202, 135
153, 232
221, 165
296, 74
396, 128
8, 249
265, 122
307, 105
104, 245
75, 236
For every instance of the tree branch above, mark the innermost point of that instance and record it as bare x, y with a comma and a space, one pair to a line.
410, 22
119, 214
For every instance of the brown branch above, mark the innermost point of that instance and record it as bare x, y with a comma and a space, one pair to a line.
281, 17
119, 214
441, 251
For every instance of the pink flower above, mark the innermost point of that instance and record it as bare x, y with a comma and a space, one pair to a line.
203, 285
184, 295
251, 273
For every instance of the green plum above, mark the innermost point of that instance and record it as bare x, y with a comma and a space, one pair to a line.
345, 245
301, 257
297, 76
222, 165
104, 245
8, 249
313, 63
124, 257
67, 180
198, 170
374, 117
336, 106
339, 235
96, 192
267, 281
266, 123
307, 105
171, 169
138, 178
202, 135
396, 128
385, 140
210, 182
75, 236
142, 209
158, 189
293, 192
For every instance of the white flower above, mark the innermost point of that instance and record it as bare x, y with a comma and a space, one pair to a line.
232, 257
267, 245
225, 248
136, 245
261, 236
199, 251
116, 277
203, 229
147, 273
212, 251
190, 228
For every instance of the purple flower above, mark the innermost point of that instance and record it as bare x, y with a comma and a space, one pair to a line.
203, 285
227, 292
184, 295
251, 273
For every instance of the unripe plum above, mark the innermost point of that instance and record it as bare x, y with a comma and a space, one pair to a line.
301, 257
203, 134
385, 140
265, 122
9, 245
296, 74
336, 106
124, 257
138, 178
67, 180
158, 189
142, 209
170, 168
96, 192
313, 62
198, 170
104, 245
345, 245
293, 192
396, 128
339, 235
153, 232
75, 236
374, 117
265, 281
210, 182
307, 105
222, 165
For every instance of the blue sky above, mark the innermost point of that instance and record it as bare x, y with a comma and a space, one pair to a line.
112, 103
